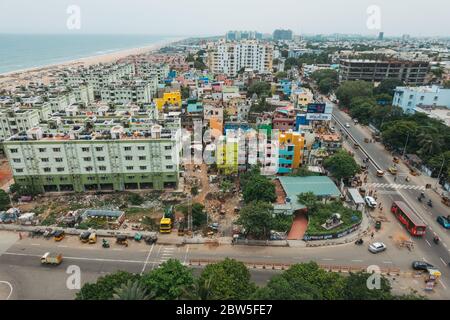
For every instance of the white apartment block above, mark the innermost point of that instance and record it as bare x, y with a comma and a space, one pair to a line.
140, 91
230, 57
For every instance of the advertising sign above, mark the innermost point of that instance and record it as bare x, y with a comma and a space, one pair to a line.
318, 116
316, 108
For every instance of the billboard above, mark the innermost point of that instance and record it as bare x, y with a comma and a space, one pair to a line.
319, 108
318, 116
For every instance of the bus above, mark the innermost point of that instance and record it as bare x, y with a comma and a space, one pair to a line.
408, 218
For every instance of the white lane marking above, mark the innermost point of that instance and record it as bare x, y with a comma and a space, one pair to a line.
445, 245
148, 257
74, 258
61, 246
442, 284
10, 288
387, 262
423, 258
443, 261
327, 259
116, 249
357, 260
428, 242
35, 244
185, 256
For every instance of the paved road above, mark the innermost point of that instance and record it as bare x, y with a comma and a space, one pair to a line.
439, 255
20, 265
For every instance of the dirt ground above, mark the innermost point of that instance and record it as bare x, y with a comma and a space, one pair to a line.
5, 172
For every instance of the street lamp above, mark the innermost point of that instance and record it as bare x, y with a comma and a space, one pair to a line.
440, 171
407, 137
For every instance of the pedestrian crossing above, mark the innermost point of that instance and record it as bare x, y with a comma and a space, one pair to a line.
394, 186
166, 253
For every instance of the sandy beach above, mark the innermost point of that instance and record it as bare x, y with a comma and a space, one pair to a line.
44, 74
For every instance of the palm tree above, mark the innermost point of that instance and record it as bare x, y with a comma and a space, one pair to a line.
200, 291
132, 290
430, 143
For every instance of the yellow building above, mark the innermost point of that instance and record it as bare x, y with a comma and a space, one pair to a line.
302, 97
172, 99
227, 156
290, 151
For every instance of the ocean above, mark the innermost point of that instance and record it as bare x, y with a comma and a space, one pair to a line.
24, 51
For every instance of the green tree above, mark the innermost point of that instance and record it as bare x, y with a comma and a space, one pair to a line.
387, 86
446, 84
132, 290
326, 85
304, 281
185, 92
170, 281
349, 90
5, 202
257, 219
260, 88
135, 199
281, 75
227, 280
103, 288
356, 288
259, 188
309, 200
341, 165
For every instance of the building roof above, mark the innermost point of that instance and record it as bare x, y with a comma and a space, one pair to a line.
321, 186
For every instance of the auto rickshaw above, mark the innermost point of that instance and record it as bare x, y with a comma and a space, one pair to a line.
378, 225
181, 232
84, 236
150, 239
92, 238
446, 200
105, 243
395, 160
138, 236
380, 173
59, 235
366, 140
122, 240
393, 170
355, 145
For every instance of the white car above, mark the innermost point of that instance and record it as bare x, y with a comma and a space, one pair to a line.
370, 201
377, 247
347, 125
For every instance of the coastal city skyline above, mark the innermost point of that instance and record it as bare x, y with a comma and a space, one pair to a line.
224, 156
303, 17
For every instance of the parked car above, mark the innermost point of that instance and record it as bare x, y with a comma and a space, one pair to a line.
444, 221
370, 201
421, 265
347, 125
377, 247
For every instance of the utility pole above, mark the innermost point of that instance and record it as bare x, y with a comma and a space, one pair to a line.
406, 143
440, 171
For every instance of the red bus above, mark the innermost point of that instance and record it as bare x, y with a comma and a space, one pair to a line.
408, 218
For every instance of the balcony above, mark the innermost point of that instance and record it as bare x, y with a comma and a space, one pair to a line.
285, 152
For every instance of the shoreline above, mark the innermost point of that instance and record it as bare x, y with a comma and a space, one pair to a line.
92, 59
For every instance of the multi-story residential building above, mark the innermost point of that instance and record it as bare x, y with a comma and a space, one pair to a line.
281, 34
169, 100
15, 120
146, 69
84, 93
409, 98
243, 35
410, 72
230, 57
84, 160
290, 151
301, 97
131, 91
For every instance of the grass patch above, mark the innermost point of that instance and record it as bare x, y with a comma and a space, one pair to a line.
94, 223
349, 218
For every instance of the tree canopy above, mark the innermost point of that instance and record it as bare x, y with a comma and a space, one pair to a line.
341, 165
103, 289
257, 219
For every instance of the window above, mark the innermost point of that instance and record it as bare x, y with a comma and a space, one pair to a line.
17, 160
56, 149
128, 158
143, 167
127, 148
87, 158
88, 168
168, 157
41, 149
19, 170
13, 150
44, 159
168, 147
47, 169
142, 158
85, 149
59, 159
91, 178
98, 148
100, 158
130, 168
102, 168
60, 169
169, 167
141, 148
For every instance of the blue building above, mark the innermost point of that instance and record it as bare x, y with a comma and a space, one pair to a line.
408, 98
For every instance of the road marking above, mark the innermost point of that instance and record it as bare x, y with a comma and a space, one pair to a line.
61, 246
387, 262
185, 256
10, 288
327, 259
117, 249
428, 242
35, 244
443, 261
146, 260
445, 245
357, 261
442, 284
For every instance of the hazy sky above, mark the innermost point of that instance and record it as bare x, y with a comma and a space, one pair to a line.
209, 17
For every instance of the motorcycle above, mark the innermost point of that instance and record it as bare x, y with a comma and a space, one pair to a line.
105, 243
359, 242
436, 240
420, 199
430, 204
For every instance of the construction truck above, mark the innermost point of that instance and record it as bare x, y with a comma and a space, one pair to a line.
165, 225
51, 258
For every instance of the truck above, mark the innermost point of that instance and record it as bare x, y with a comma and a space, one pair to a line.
51, 258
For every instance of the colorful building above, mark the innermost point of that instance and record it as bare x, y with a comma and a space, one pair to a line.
172, 99
291, 146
